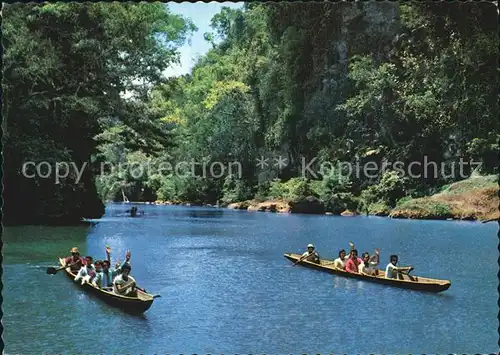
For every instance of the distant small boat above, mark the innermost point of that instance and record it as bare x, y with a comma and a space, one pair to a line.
91, 220
418, 283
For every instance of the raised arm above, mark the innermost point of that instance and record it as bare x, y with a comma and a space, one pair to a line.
352, 247
120, 265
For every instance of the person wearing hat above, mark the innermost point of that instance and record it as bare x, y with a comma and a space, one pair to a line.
75, 261
310, 254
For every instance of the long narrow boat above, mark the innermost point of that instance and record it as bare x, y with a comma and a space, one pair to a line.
139, 304
418, 283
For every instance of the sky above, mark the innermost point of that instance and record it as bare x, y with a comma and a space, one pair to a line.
200, 13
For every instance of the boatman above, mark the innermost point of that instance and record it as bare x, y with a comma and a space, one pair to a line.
74, 260
392, 271
311, 255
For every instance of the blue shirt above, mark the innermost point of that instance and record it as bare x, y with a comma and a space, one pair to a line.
105, 279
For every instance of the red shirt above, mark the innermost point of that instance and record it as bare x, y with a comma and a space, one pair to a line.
352, 266
69, 260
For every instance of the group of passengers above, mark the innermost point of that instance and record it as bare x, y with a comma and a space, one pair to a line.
366, 265
100, 274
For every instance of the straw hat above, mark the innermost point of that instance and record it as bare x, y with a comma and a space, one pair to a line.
74, 250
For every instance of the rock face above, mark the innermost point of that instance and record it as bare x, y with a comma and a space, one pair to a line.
239, 205
348, 213
309, 205
270, 206
380, 214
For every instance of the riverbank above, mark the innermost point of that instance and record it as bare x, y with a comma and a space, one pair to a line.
178, 203
475, 198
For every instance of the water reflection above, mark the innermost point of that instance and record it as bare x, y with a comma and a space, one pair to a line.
205, 213
224, 288
35, 244
348, 284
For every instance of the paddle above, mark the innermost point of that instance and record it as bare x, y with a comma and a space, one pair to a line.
143, 290
52, 270
407, 273
301, 258
331, 263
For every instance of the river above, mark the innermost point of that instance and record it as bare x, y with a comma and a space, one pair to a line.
226, 287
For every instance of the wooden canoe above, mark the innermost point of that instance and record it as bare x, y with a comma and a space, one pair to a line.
418, 283
137, 305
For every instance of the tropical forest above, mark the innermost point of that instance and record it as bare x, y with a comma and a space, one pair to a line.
379, 108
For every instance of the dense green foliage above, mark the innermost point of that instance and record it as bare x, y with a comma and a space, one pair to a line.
340, 83
325, 83
65, 67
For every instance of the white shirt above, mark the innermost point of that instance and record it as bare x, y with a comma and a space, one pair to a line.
84, 272
120, 281
339, 263
361, 267
391, 271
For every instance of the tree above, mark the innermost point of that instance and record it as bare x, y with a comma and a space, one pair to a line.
66, 67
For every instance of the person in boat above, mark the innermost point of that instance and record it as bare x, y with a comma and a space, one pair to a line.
124, 284
339, 263
392, 271
106, 277
133, 211
118, 264
87, 272
375, 259
75, 260
352, 264
364, 267
311, 255
96, 280
351, 248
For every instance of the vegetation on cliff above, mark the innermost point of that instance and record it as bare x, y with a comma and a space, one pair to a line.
367, 83
475, 198
285, 85
65, 67
472, 199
